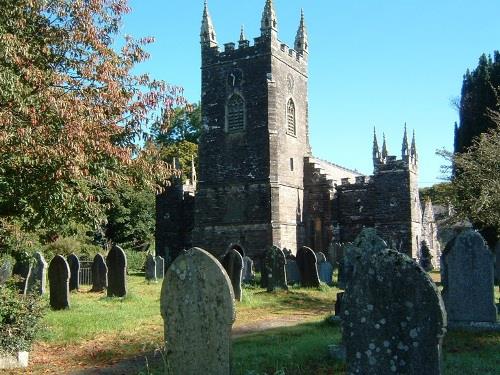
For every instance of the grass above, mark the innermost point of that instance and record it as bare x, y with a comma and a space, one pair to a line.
100, 331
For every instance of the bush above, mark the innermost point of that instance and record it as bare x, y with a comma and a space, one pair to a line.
66, 245
135, 259
19, 319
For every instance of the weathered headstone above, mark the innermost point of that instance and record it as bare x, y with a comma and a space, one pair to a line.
59, 275
467, 277
306, 261
117, 272
335, 252
160, 267
150, 268
37, 281
197, 306
393, 318
22, 269
99, 274
320, 258
248, 272
274, 269
74, 267
292, 272
325, 272
5, 271
233, 264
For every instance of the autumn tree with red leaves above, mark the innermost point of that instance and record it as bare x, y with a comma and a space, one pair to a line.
72, 114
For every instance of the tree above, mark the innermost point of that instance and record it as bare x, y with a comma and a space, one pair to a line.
476, 186
71, 111
480, 92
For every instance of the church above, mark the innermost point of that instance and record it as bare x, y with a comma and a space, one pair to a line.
258, 182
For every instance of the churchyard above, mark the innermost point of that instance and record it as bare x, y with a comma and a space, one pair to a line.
278, 328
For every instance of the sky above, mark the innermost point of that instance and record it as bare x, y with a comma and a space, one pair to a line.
372, 63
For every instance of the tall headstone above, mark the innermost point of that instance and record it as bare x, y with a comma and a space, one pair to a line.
248, 271
5, 271
99, 274
74, 266
292, 272
274, 268
59, 274
117, 272
22, 269
37, 281
325, 272
233, 264
393, 318
467, 276
306, 261
160, 267
197, 306
150, 268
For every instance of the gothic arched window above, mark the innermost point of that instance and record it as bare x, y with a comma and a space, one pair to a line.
235, 113
290, 118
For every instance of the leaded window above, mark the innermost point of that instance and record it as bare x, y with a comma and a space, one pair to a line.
235, 113
290, 117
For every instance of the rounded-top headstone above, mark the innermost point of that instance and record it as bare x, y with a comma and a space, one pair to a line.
307, 263
320, 257
467, 274
274, 269
150, 268
197, 305
74, 266
368, 241
233, 264
393, 318
59, 274
117, 272
99, 274
38, 276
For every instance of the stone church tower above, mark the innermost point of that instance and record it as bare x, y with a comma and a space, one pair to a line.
255, 120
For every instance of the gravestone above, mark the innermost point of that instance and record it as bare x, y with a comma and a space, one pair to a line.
197, 306
248, 271
99, 274
74, 267
160, 267
274, 269
22, 269
306, 261
37, 281
233, 264
320, 258
150, 268
59, 275
292, 272
325, 272
117, 272
5, 271
393, 318
467, 277
335, 252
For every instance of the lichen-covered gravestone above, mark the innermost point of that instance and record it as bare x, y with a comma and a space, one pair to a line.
117, 272
99, 274
292, 272
233, 264
393, 318
274, 268
59, 274
467, 276
37, 282
160, 267
197, 306
74, 267
5, 271
307, 263
248, 272
150, 268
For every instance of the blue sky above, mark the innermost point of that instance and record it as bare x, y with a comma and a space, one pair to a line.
372, 63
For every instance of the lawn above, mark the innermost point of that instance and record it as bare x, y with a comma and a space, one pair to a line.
274, 333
